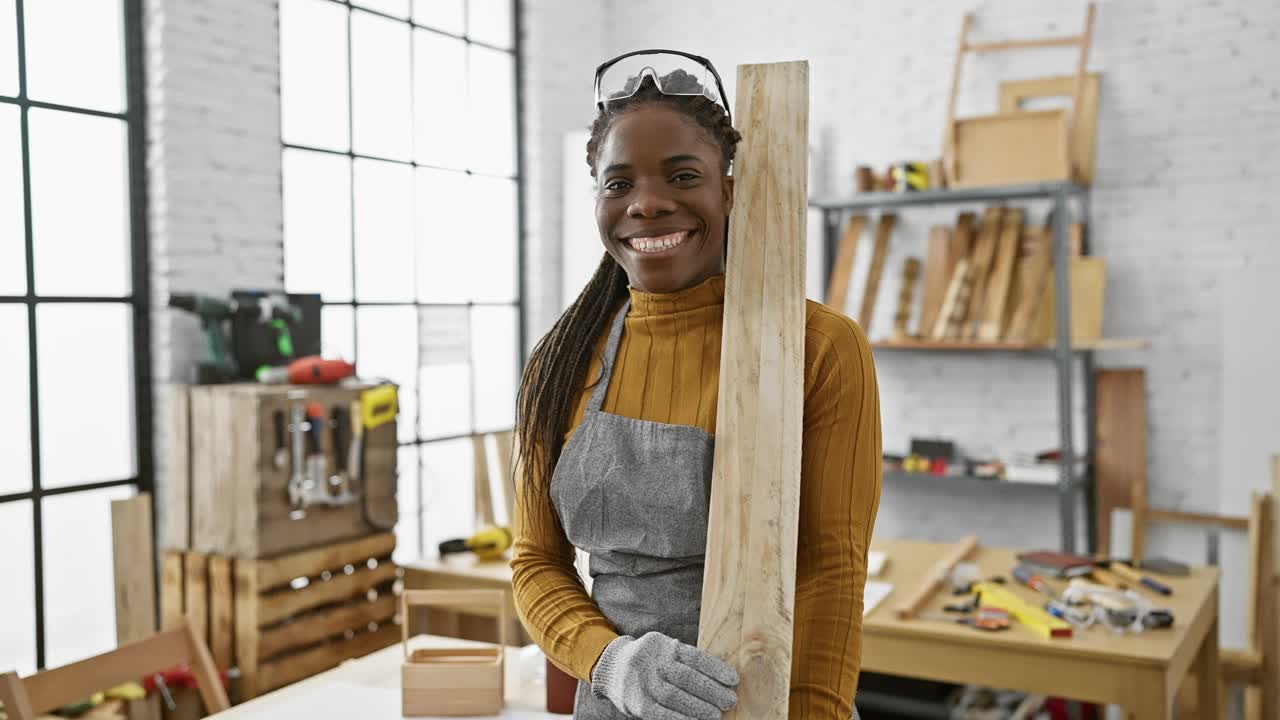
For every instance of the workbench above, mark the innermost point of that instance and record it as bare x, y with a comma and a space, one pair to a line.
369, 687
1140, 672
464, 572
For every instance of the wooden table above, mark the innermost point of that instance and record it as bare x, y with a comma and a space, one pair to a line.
369, 687
464, 572
1140, 672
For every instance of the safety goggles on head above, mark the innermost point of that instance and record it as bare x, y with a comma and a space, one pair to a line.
673, 73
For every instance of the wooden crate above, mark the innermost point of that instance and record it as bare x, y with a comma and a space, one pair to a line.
1020, 147
283, 619
225, 496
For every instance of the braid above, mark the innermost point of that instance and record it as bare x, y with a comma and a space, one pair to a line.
557, 367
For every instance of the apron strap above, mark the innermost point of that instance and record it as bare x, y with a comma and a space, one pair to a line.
610, 354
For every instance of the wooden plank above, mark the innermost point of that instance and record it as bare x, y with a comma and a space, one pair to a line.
748, 593
276, 606
842, 270
247, 626
203, 492
292, 668
221, 611
13, 697
1013, 93
938, 269
244, 427
504, 443
1270, 604
483, 494
884, 229
1186, 517
173, 581
911, 604
317, 626
133, 561
279, 571
984, 47
1037, 274
962, 239
950, 317
906, 288
992, 324
175, 532
949, 142
1022, 147
1120, 448
197, 593
984, 250
1088, 297
57, 687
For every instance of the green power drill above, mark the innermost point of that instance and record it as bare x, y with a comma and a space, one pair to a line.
221, 366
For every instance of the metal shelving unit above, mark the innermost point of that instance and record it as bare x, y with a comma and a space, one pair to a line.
1060, 197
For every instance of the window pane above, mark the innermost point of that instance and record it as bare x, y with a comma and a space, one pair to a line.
79, 596
448, 487
73, 401
399, 8
8, 58
492, 238
380, 86
444, 338
493, 351
313, 74
13, 254
407, 549
446, 15
15, 411
337, 332
440, 99
384, 231
79, 203
387, 342
317, 223
489, 21
444, 236
18, 601
492, 111
75, 52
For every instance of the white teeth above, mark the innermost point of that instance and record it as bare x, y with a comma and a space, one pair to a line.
658, 243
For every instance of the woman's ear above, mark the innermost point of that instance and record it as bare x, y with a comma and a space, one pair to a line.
726, 191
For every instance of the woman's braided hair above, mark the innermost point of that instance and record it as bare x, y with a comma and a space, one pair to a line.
557, 367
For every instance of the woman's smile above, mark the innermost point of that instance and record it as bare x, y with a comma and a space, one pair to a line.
653, 245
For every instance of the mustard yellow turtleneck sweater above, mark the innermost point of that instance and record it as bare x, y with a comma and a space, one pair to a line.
668, 370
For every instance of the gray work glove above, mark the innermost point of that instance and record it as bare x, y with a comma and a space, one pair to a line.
660, 678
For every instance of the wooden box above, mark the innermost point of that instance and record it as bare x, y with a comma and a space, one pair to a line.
451, 681
290, 617
1088, 294
230, 464
1011, 148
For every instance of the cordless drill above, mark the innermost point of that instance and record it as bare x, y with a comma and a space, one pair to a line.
220, 366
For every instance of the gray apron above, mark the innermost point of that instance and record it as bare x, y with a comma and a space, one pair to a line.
634, 494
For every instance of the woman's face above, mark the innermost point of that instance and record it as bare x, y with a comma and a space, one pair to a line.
662, 200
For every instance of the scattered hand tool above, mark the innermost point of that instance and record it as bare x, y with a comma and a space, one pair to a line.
1134, 576
488, 544
1165, 566
281, 456
1023, 574
937, 575
1022, 611
312, 370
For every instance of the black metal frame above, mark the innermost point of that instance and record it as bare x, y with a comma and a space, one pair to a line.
139, 299
517, 52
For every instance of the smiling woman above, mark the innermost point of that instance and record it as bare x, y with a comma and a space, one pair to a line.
617, 415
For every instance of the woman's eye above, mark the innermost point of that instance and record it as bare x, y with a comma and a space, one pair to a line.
616, 186
685, 177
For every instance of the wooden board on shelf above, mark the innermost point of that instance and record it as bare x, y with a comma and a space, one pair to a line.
748, 593
1120, 447
906, 290
1034, 273
884, 229
954, 304
984, 249
992, 323
1014, 93
1088, 295
938, 268
842, 270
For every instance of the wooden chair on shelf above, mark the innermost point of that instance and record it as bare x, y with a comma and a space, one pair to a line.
25, 698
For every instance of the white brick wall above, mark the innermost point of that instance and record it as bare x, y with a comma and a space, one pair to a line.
1188, 133
213, 166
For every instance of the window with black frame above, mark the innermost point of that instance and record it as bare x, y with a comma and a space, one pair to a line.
74, 378
401, 207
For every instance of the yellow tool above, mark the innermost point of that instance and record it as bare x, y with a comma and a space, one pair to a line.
488, 544
1024, 612
126, 691
379, 405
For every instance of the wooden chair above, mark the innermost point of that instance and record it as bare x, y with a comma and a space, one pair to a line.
1256, 666
25, 698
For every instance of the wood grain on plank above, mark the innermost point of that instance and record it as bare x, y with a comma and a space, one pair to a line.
906, 291
279, 571
247, 624
995, 313
1120, 448
911, 604
279, 605
196, 610
952, 314
221, 611
319, 625
984, 249
292, 668
176, 528
1031, 292
842, 270
884, 230
134, 568
748, 594
937, 275
173, 583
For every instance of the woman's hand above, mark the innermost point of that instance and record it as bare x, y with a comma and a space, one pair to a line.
660, 678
